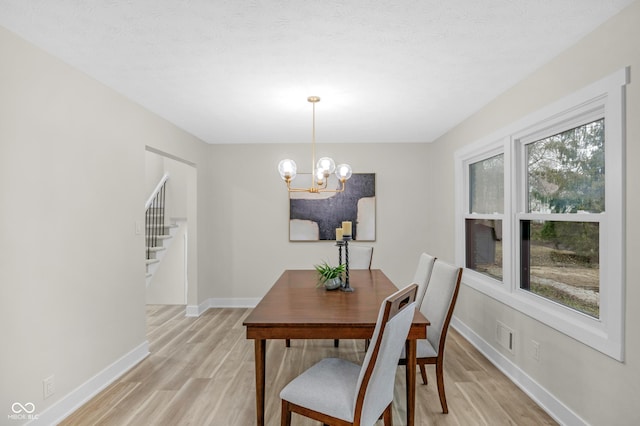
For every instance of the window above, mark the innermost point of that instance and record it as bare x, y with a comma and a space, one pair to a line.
483, 222
540, 215
559, 238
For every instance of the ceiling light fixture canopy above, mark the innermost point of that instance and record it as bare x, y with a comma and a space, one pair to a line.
320, 170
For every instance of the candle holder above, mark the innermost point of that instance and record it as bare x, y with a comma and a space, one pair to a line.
345, 243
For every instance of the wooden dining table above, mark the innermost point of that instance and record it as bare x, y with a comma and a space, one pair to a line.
295, 308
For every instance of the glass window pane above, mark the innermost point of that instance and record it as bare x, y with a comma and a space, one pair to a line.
560, 261
484, 247
486, 185
565, 172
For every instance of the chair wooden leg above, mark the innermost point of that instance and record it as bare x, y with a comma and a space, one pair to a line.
336, 343
423, 373
440, 379
287, 343
285, 416
387, 417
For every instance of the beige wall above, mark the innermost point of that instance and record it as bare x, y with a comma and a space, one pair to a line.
168, 284
597, 388
154, 170
250, 232
72, 160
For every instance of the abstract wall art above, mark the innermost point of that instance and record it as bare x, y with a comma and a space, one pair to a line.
315, 217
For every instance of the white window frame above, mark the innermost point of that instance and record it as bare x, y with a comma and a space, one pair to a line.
491, 150
604, 98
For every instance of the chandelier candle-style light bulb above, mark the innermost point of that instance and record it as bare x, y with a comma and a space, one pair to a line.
326, 165
343, 172
287, 169
321, 170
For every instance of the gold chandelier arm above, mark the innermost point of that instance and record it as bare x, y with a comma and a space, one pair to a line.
302, 190
325, 181
316, 190
334, 190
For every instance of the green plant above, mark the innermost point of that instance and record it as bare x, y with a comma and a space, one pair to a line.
327, 272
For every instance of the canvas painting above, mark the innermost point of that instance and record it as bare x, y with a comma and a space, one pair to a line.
315, 217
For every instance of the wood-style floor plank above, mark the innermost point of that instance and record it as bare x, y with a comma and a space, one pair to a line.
201, 372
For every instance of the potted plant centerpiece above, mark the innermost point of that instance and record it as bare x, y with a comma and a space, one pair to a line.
330, 276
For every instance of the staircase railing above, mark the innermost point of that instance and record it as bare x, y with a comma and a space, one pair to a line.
154, 215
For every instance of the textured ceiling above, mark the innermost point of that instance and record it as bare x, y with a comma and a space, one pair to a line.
232, 71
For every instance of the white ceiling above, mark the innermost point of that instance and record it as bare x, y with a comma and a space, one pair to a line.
231, 71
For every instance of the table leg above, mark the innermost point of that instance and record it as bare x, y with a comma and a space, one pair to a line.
411, 381
260, 352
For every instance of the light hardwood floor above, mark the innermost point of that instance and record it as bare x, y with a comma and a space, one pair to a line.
201, 372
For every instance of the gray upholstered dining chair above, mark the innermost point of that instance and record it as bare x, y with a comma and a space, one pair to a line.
360, 256
422, 275
421, 278
338, 392
438, 304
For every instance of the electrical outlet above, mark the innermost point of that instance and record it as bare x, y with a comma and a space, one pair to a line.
535, 350
48, 386
138, 228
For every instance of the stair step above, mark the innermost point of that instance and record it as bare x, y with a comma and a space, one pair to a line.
164, 230
160, 237
150, 226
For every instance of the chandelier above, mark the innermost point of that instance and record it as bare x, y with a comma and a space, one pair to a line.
320, 170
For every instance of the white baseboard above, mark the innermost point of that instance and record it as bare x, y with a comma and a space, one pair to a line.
83, 393
554, 407
230, 302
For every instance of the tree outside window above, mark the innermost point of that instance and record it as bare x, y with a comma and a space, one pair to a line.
559, 256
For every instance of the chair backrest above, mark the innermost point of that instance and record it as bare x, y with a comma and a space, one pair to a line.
439, 301
360, 257
422, 276
374, 391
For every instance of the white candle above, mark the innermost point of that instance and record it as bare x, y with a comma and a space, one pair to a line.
338, 234
346, 229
